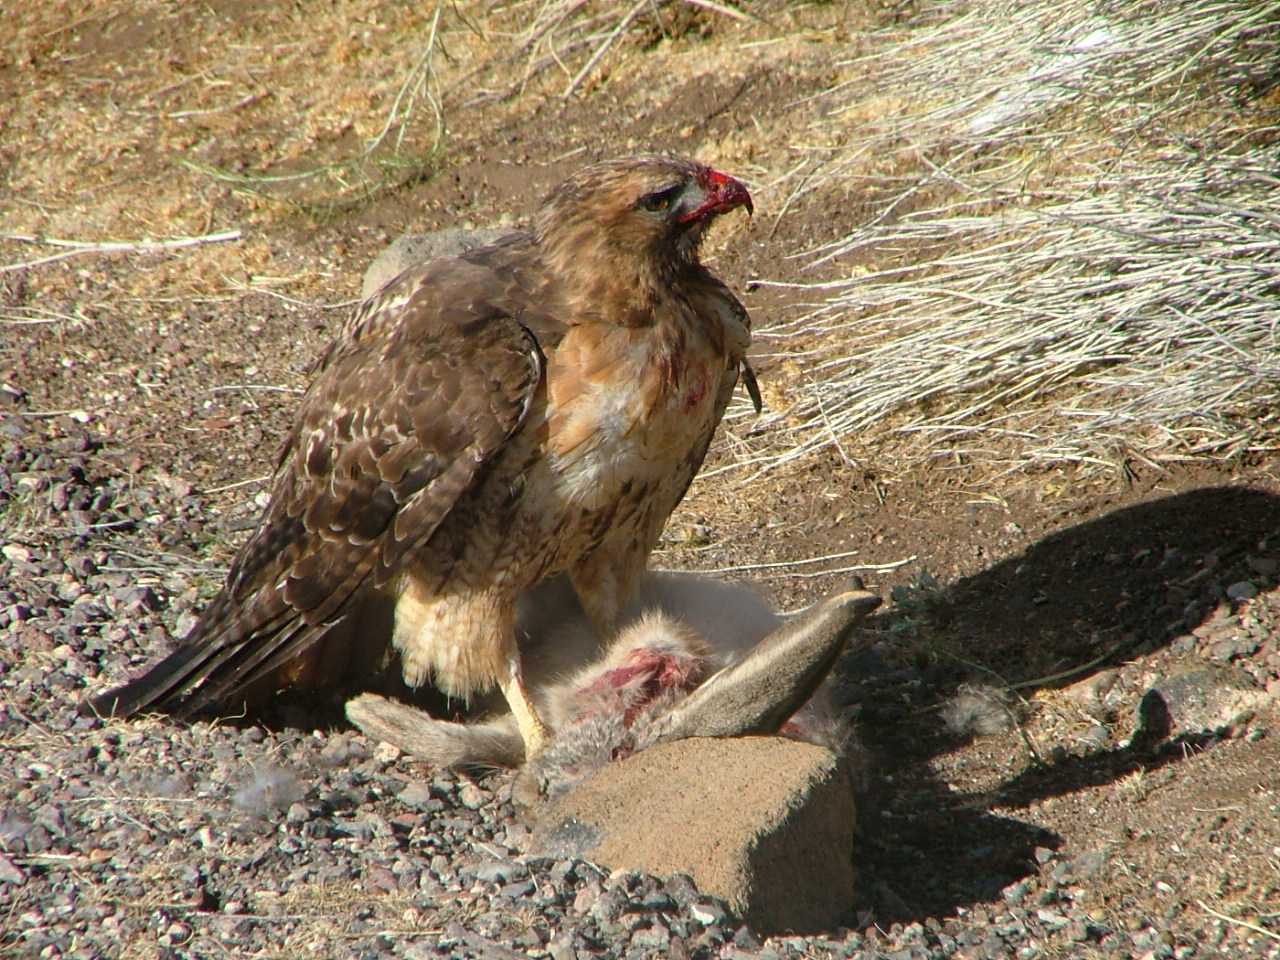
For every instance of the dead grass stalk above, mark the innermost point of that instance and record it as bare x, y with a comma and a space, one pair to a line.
1074, 255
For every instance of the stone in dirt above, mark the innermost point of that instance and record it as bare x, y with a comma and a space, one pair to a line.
764, 823
413, 248
1210, 699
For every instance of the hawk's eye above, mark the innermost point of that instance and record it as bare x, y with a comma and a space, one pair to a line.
660, 201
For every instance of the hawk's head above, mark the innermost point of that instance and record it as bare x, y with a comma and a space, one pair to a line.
650, 207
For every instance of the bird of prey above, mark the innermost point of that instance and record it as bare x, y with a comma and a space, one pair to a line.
533, 407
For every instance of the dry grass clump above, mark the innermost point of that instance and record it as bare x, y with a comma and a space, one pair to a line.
1072, 252
573, 37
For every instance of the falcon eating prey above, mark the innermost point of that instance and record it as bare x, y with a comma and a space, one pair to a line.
534, 407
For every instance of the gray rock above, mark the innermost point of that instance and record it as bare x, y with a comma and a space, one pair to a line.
1242, 590
1263, 566
473, 797
415, 248
493, 870
561, 948
1093, 689
1214, 698
10, 873
1233, 648
708, 913
416, 795
655, 936
764, 823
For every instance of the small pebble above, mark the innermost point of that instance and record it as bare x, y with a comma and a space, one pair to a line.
1243, 590
416, 795
472, 797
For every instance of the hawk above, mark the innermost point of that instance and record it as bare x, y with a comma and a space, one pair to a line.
530, 408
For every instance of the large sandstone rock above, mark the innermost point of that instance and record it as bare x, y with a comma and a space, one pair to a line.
764, 823
415, 248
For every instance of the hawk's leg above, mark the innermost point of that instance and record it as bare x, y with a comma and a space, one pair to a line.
464, 641
533, 731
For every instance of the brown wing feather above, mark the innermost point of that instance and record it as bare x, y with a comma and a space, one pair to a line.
430, 382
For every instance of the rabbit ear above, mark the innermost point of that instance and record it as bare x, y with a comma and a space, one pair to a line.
759, 694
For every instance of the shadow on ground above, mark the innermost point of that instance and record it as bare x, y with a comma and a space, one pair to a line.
1094, 595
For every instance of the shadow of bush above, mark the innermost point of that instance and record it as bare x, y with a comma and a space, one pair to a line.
1091, 595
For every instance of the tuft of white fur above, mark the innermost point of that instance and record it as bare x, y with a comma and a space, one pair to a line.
978, 709
730, 617
269, 790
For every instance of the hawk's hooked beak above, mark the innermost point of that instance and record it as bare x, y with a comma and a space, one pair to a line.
722, 195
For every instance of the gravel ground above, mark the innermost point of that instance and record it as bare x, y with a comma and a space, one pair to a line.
147, 838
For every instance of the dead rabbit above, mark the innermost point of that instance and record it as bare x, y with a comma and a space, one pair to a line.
695, 658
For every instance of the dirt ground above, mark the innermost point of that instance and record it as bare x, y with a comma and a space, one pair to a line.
173, 372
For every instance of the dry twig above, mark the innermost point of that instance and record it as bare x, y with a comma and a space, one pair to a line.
79, 248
